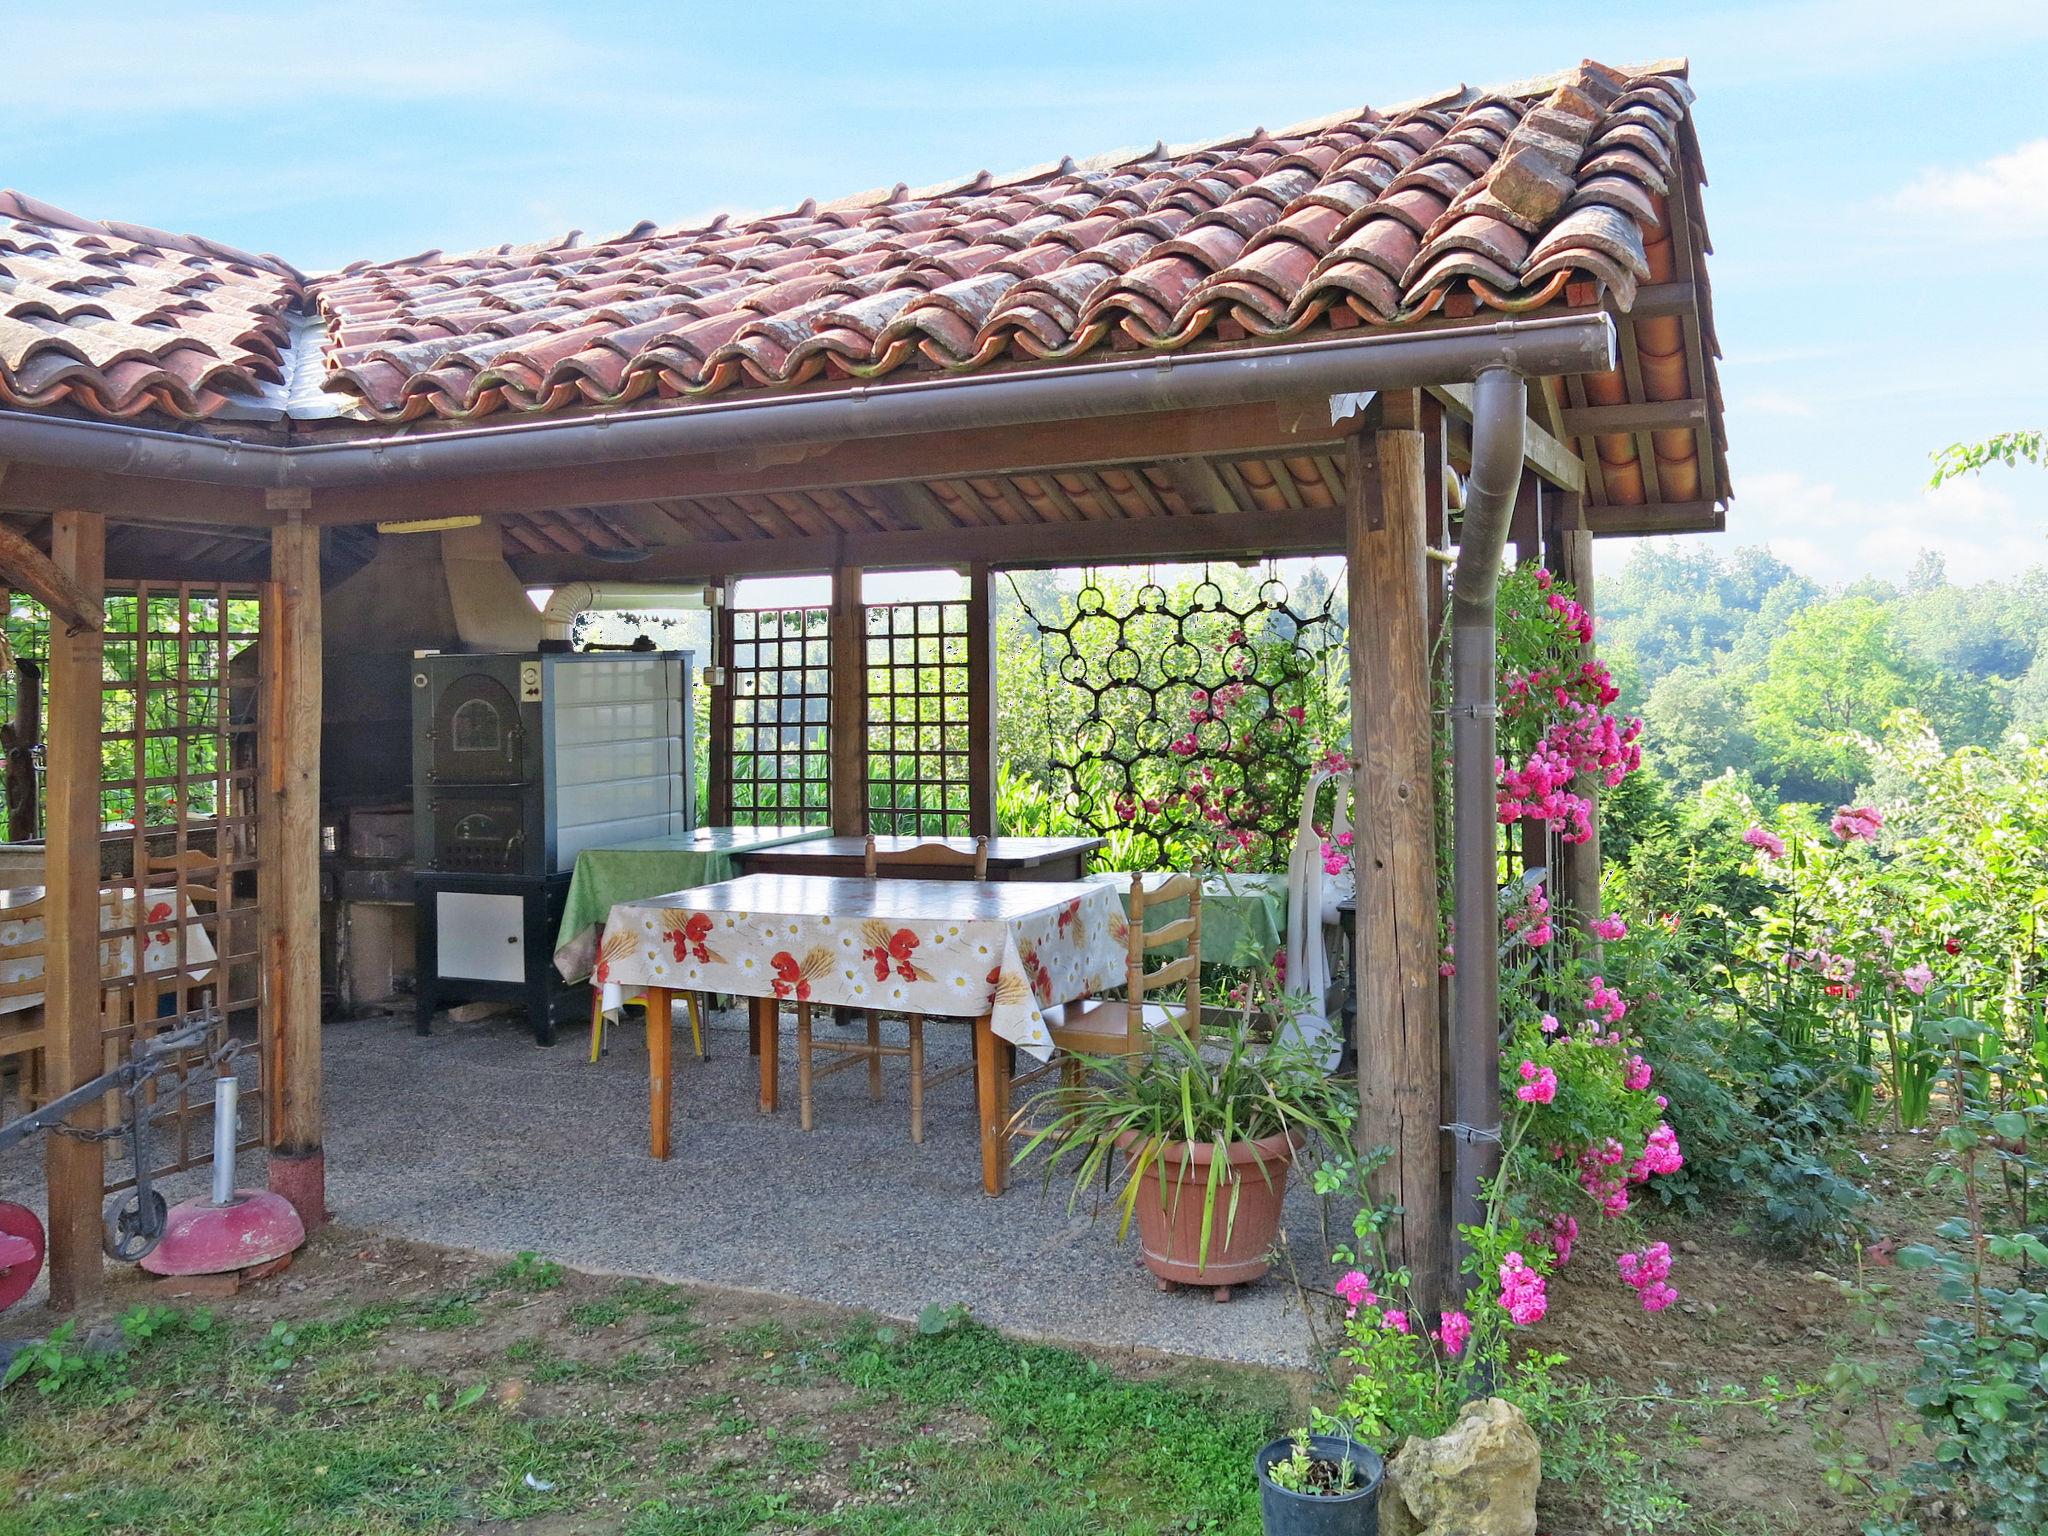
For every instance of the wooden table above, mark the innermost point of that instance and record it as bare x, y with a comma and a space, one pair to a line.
1009, 858
998, 952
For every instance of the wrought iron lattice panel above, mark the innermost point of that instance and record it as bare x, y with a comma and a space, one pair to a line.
778, 668
919, 730
180, 928
1193, 741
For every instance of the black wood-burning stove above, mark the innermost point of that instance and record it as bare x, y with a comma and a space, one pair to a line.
519, 763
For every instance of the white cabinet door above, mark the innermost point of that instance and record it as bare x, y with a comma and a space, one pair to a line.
479, 937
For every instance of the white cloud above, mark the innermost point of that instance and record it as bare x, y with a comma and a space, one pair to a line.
2006, 195
1986, 528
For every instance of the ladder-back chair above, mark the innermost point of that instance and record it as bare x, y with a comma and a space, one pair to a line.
920, 860
1109, 1026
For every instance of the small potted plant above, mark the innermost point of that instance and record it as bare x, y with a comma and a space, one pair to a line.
1319, 1485
1201, 1135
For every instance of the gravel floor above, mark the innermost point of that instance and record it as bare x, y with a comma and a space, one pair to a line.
475, 1137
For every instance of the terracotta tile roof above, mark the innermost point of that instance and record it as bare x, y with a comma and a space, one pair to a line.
120, 319
1564, 191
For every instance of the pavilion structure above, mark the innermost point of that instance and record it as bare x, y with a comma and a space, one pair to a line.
1270, 344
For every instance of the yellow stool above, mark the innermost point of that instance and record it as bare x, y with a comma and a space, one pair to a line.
597, 1019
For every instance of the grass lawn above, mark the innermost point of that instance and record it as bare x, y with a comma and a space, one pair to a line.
531, 1398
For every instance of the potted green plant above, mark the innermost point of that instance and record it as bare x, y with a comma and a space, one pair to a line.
1319, 1485
1194, 1140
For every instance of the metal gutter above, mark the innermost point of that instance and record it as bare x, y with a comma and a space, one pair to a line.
1558, 344
1499, 411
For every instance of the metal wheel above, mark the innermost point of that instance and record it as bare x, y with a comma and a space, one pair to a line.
133, 1226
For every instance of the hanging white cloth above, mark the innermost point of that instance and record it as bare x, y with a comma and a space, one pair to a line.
1312, 894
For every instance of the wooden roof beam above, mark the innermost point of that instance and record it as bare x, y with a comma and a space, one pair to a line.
1544, 453
1311, 530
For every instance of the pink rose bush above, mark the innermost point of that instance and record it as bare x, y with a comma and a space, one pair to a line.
1857, 824
1554, 720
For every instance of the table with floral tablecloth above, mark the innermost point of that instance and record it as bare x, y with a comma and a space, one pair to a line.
21, 924
998, 952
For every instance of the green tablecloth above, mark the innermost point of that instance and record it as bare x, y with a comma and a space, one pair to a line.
650, 867
1244, 917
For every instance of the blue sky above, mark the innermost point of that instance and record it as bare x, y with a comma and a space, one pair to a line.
1878, 192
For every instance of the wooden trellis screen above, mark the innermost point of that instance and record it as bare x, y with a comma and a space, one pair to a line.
179, 778
920, 725
772, 717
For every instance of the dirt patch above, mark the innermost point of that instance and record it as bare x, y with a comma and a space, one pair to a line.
1751, 1319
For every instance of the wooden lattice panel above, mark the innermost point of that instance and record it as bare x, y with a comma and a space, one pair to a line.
920, 730
178, 796
778, 672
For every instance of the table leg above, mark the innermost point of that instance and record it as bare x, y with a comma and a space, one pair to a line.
660, 1025
992, 1095
767, 1030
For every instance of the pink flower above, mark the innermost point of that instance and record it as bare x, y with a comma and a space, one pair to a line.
1661, 1154
1355, 1291
1564, 1231
1452, 1330
1773, 846
1917, 978
1539, 1084
1396, 1319
1605, 1001
1521, 1291
1637, 1075
1550, 1023
1611, 928
1647, 1272
1857, 823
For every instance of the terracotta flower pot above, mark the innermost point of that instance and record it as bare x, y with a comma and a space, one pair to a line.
1170, 1231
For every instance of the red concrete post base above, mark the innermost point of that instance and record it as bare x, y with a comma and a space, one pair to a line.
301, 1177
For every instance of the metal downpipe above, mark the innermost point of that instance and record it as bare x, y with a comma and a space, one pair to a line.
1499, 410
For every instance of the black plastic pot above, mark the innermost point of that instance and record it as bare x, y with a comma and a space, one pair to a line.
1357, 1513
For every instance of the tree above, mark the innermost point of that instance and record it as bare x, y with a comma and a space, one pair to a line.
1694, 725
1835, 674
2007, 448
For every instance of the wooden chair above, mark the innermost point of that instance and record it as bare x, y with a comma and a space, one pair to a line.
850, 1053
693, 999
22, 1031
199, 870
1106, 1026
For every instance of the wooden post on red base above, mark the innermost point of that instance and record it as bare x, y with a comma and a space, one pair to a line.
288, 847
74, 1169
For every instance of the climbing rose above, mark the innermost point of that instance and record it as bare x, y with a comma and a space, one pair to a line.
1521, 1291
1611, 928
1356, 1291
1396, 1319
1539, 1084
1859, 823
1636, 1077
1453, 1329
1605, 1001
1563, 1232
1917, 978
1647, 1272
1773, 846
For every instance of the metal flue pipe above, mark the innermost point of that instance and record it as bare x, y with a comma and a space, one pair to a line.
1499, 407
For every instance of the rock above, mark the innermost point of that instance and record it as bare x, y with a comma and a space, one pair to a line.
1478, 1478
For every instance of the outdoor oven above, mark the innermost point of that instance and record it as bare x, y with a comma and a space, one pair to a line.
519, 763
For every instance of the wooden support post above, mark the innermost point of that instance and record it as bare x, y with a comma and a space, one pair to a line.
717, 812
1579, 863
849, 641
1400, 1044
75, 1169
288, 849
981, 703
